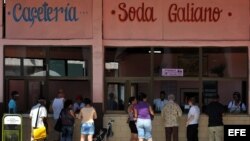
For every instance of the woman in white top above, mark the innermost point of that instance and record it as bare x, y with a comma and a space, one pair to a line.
193, 120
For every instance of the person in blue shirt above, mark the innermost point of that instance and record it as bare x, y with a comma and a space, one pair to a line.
160, 102
12, 103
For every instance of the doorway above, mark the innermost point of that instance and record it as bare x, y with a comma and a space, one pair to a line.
122, 90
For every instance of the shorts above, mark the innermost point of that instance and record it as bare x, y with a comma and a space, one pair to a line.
133, 127
144, 128
87, 128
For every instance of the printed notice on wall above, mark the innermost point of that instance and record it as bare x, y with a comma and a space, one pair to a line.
48, 19
172, 72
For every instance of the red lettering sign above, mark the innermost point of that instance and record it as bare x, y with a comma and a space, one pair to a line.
140, 14
190, 13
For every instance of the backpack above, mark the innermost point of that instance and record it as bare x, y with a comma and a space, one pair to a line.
66, 118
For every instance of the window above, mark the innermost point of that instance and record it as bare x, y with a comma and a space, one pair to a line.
43, 70
69, 62
186, 59
34, 67
226, 62
42, 62
127, 62
200, 72
12, 66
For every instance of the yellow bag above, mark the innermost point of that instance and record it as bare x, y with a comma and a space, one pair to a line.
39, 133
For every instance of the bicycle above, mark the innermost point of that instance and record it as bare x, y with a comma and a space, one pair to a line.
105, 133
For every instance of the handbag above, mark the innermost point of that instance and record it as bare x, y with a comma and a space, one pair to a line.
39, 132
58, 125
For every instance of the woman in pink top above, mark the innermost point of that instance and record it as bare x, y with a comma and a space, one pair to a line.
87, 116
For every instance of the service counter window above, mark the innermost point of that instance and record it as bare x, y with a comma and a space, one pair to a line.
182, 89
233, 94
226, 73
200, 72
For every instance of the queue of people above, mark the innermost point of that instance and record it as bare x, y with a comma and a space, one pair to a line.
141, 127
140, 116
65, 111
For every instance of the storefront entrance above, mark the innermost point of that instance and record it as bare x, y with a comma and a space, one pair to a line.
35, 71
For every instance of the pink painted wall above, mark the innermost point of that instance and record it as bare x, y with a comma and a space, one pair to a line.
118, 25
232, 23
176, 19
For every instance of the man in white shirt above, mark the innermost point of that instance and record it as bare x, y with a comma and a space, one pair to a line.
57, 104
193, 120
38, 114
159, 103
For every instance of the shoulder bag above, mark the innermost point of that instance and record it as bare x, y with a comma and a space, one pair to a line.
39, 132
58, 125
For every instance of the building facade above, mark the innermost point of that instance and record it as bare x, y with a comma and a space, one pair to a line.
96, 47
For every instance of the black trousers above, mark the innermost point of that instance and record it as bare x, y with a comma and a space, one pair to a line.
171, 131
192, 132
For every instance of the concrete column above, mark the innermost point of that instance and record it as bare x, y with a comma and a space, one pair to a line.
98, 53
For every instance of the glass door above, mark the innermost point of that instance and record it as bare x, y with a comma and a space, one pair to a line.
118, 93
116, 96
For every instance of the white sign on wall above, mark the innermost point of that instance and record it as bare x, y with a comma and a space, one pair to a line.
172, 72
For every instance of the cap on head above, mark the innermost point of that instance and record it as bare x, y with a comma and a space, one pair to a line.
79, 98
